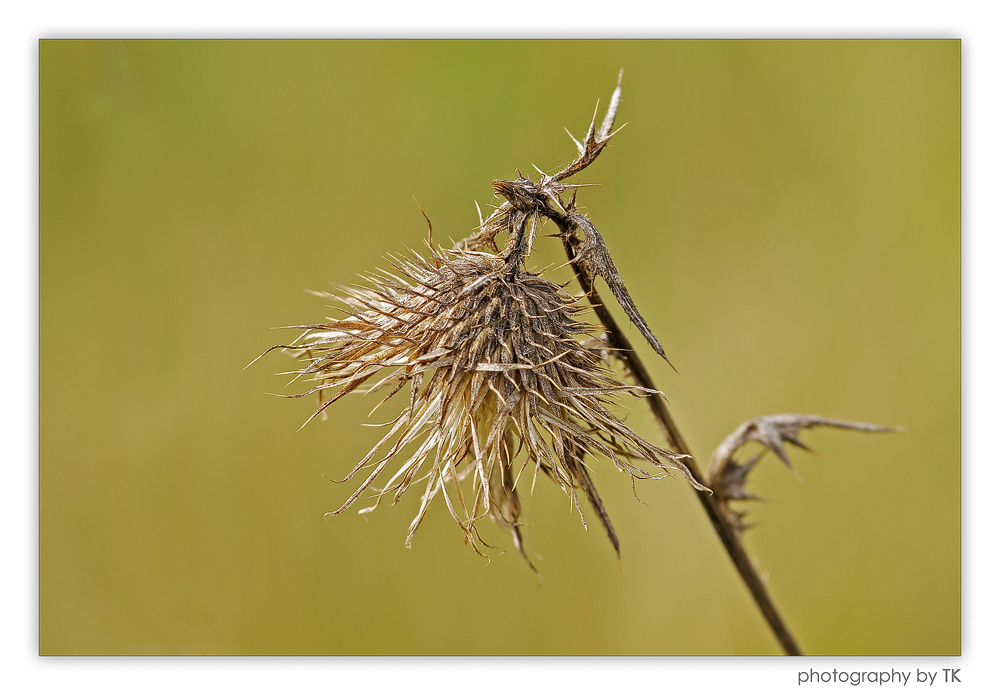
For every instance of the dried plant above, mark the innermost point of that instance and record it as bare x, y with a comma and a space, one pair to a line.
504, 378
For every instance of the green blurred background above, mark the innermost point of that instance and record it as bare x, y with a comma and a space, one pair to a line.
786, 214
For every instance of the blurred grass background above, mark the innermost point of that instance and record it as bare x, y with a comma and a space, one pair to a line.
786, 214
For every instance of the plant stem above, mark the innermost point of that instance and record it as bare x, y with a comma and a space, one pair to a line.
729, 536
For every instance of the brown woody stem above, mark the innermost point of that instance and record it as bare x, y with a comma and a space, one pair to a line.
713, 506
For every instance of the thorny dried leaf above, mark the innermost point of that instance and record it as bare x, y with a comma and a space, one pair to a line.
727, 478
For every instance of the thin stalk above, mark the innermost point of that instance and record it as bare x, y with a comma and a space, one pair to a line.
590, 258
713, 507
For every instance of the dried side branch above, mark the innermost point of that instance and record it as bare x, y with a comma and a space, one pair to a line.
728, 478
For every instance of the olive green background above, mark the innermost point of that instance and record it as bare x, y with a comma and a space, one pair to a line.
785, 213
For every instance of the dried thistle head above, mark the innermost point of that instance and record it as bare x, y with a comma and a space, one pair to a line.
503, 380
501, 383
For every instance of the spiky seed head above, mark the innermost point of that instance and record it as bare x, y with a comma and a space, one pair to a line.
503, 380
